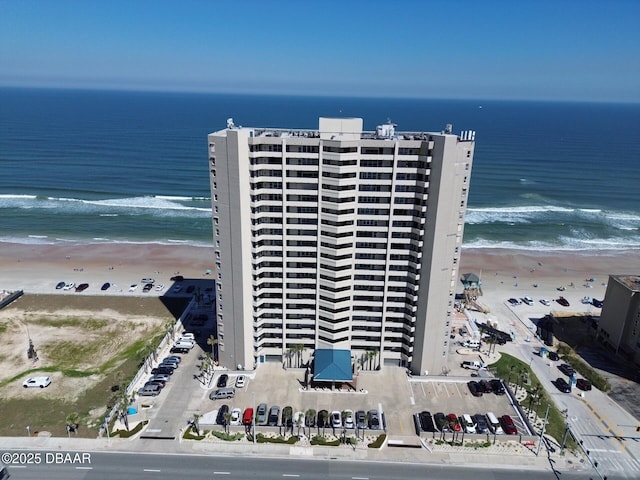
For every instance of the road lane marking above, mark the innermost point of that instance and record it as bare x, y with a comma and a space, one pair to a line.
359, 478
289, 475
151, 470
222, 473
84, 468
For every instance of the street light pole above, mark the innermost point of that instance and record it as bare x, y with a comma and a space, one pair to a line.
253, 419
544, 426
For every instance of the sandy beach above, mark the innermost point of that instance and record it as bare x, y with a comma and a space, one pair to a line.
504, 273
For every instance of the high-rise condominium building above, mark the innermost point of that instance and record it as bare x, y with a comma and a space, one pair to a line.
337, 241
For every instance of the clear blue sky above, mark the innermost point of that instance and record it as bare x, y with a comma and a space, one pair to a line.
480, 49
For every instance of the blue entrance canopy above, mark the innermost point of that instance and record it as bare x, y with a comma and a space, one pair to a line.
332, 365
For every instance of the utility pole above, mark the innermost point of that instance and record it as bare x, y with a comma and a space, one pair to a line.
544, 426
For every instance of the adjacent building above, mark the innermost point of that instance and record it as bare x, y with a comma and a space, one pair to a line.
619, 325
338, 244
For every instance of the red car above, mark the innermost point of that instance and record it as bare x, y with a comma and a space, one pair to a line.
563, 301
247, 418
508, 426
454, 423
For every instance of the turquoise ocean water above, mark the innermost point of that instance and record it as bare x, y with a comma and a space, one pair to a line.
97, 166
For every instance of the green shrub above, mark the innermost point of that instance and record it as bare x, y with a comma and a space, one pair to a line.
129, 433
226, 436
189, 435
260, 438
377, 443
318, 440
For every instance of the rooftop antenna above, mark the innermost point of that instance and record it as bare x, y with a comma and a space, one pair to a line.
230, 123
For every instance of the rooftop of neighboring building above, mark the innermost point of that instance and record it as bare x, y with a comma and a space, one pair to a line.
632, 282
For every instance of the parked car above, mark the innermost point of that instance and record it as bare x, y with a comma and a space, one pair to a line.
240, 381
39, 382
482, 426
527, 300
441, 422
60, 285
162, 377
567, 369
545, 302
222, 381
474, 388
82, 287
105, 286
236, 416
69, 286
583, 384
361, 419
149, 391
162, 370
155, 382
247, 417
220, 393
336, 419
176, 349
374, 420
147, 287
174, 358
563, 301
148, 280
508, 426
485, 386
497, 387
224, 409
426, 422
133, 287
468, 423
562, 385
169, 364
454, 423
597, 303
553, 356
514, 301
261, 414
274, 413
347, 419
177, 278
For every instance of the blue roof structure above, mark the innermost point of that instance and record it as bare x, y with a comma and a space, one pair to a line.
332, 365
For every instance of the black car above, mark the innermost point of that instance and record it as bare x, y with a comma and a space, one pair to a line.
60, 285
222, 381
482, 426
567, 369
105, 286
82, 287
485, 386
220, 420
274, 413
442, 424
584, 385
426, 422
179, 350
474, 388
159, 383
597, 303
374, 420
562, 385
147, 287
177, 278
163, 370
323, 419
553, 356
497, 387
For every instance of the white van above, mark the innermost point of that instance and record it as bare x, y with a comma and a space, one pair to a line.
469, 425
183, 344
471, 343
494, 424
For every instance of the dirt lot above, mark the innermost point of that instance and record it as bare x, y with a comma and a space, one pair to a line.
80, 342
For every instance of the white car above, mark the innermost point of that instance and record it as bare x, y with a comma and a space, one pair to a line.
37, 382
241, 381
69, 286
468, 424
236, 416
348, 419
188, 335
336, 419
160, 287
545, 302
148, 280
133, 287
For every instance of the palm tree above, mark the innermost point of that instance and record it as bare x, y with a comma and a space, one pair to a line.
195, 423
123, 402
325, 417
213, 341
72, 422
227, 421
298, 348
289, 354
310, 415
300, 422
371, 354
287, 414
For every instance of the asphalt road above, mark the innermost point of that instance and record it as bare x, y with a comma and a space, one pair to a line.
110, 466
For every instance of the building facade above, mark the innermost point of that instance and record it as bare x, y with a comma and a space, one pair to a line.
619, 325
338, 239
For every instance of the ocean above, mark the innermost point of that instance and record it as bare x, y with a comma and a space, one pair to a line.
108, 166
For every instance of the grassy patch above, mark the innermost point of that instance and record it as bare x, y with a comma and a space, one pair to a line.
260, 438
189, 435
320, 440
510, 367
82, 323
377, 443
3, 327
131, 432
569, 356
227, 436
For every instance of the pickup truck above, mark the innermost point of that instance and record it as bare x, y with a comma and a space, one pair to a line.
473, 365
